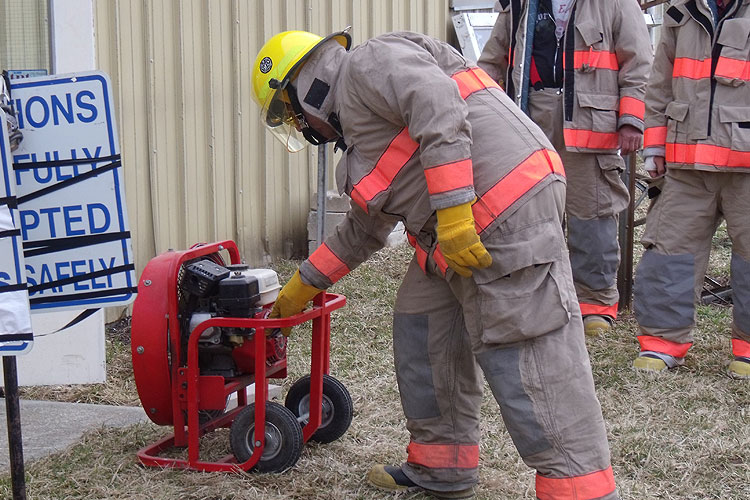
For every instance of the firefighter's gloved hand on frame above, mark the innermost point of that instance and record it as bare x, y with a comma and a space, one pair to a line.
459, 241
292, 299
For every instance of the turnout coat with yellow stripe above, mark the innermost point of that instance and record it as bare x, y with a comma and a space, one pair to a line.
607, 56
425, 130
698, 98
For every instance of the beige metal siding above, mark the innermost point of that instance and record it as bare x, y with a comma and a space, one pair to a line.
24, 34
198, 165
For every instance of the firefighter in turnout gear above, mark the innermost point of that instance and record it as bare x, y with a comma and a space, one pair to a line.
698, 138
579, 69
433, 142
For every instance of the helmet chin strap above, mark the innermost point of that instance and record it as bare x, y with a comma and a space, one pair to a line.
333, 119
312, 136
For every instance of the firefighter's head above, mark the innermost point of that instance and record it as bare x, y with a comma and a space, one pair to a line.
276, 68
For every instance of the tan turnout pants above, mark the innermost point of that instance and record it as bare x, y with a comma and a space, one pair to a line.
595, 197
678, 237
517, 321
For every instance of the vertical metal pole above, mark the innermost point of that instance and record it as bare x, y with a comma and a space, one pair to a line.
322, 188
13, 415
626, 237
631, 231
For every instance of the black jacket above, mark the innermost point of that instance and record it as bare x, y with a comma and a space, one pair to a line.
547, 52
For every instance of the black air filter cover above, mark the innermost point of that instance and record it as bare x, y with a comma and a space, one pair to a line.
202, 277
238, 295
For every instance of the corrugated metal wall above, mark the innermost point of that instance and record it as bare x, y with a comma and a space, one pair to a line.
24, 43
198, 165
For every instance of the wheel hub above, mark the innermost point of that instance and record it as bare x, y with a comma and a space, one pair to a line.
273, 439
326, 415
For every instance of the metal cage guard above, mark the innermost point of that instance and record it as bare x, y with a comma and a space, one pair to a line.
188, 385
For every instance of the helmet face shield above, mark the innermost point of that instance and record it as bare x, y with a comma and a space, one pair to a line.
279, 117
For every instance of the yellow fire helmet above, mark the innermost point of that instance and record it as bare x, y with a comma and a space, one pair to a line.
277, 64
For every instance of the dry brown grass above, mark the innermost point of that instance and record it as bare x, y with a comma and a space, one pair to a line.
683, 435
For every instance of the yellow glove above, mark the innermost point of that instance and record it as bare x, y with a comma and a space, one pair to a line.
292, 299
459, 240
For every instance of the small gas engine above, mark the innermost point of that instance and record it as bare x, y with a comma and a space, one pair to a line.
211, 290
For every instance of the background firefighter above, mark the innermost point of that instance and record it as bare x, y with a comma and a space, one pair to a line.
698, 120
579, 68
433, 142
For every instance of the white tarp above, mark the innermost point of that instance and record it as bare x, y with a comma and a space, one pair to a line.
15, 321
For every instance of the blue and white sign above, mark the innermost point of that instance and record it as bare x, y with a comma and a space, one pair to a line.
15, 320
70, 192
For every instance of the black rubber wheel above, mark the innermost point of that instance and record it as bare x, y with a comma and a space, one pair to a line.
337, 411
204, 416
283, 438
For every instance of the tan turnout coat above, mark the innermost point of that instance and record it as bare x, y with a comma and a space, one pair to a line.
698, 99
607, 55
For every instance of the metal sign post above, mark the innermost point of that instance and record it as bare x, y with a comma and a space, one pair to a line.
13, 417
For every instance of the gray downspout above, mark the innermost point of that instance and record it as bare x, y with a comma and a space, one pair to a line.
322, 163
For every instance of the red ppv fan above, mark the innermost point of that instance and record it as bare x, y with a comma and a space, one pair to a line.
200, 334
